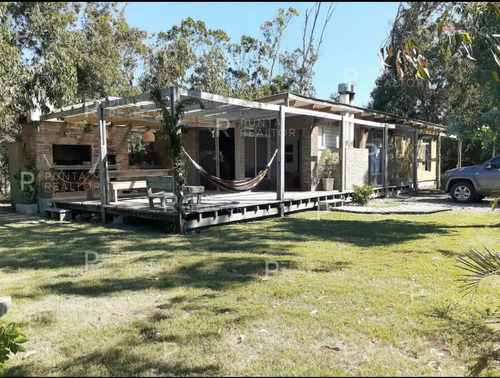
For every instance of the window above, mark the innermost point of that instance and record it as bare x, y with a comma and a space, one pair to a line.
289, 153
427, 151
495, 163
322, 137
256, 151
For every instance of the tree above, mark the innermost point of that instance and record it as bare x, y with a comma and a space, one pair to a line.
176, 53
439, 66
273, 32
110, 51
299, 65
57, 54
191, 54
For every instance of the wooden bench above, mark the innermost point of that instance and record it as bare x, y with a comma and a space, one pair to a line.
114, 186
166, 185
131, 179
58, 214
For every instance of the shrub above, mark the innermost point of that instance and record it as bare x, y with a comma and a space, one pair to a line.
362, 194
328, 163
496, 200
29, 193
11, 338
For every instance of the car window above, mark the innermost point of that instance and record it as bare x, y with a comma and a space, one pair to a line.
495, 163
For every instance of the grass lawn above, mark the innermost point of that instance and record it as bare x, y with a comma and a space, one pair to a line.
355, 295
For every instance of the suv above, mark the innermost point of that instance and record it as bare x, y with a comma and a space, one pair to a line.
470, 183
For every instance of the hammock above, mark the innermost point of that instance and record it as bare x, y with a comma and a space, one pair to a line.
89, 176
233, 185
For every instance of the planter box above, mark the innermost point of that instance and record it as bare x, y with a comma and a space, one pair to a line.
328, 184
31, 209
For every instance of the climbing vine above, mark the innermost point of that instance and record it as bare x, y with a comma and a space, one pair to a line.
172, 133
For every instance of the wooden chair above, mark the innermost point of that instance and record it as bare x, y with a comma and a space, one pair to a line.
166, 185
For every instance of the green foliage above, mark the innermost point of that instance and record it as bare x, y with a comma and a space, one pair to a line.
329, 163
29, 192
362, 194
172, 133
479, 266
11, 338
191, 54
496, 200
438, 61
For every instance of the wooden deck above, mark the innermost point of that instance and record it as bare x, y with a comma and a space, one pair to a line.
216, 207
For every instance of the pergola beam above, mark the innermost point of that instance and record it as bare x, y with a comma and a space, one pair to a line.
227, 100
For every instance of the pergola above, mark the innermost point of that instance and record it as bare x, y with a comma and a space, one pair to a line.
209, 109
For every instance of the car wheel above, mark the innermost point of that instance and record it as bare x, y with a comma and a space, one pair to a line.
462, 192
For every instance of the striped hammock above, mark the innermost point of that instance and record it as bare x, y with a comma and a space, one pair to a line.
90, 176
233, 186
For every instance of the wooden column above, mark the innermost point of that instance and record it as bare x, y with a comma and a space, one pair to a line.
343, 135
174, 98
103, 161
415, 160
280, 190
217, 153
438, 165
385, 159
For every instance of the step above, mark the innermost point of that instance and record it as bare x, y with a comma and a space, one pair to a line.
325, 205
58, 213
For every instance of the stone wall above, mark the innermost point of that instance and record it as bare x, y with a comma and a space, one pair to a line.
357, 168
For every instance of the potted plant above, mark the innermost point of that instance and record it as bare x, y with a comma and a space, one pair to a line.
328, 167
26, 178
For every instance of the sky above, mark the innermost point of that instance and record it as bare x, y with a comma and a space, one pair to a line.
349, 52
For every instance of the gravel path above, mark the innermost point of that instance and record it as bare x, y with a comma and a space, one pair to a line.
426, 202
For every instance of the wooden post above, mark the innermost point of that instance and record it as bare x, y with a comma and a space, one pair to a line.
174, 98
459, 162
217, 153
280, 190
438, 165
103, 161
385, 159
415, 160
342, 146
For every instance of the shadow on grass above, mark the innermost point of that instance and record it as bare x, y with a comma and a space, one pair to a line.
116, 362
47, 246
364, 232
52, 246
473, 334
216, 274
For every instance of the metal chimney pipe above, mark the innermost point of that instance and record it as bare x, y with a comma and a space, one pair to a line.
347, 92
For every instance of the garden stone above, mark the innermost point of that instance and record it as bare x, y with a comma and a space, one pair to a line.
4, 305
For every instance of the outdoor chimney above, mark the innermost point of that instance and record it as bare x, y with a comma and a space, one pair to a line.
347, 92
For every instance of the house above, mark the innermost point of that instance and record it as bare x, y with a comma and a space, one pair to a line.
233, 139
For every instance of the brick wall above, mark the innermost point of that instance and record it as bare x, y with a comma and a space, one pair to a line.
38, 143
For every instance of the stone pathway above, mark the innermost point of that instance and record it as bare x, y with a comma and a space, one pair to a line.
426, 202
398, 208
